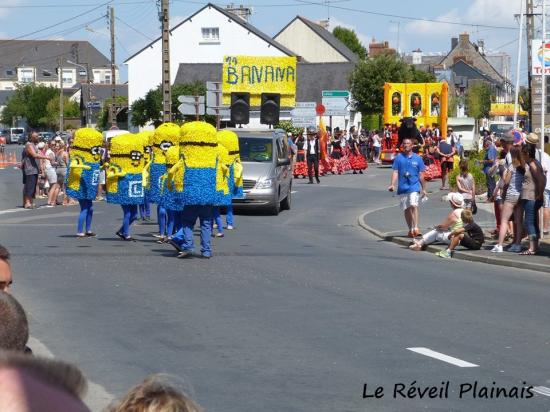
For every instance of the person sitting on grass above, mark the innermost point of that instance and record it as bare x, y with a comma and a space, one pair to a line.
470, 236
441, 232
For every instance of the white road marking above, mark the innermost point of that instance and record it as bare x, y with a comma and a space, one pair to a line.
442, 357
293, 191
543, 390
3, 212
97, 397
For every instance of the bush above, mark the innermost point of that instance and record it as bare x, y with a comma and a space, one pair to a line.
476, 170
371, 121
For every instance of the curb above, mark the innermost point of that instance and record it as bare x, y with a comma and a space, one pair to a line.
469, 256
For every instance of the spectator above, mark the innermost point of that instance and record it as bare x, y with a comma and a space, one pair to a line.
466, 185
488, 161
5, 270
442, 231
445, 151
30, 170
14, 330
35, 384
376, 144
470, 236
510, 186
532, 193
544, 160
51, 175
61, 162
408, 174
155, 394
42, 186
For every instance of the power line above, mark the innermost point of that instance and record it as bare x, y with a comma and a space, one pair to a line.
65, 5
134, 29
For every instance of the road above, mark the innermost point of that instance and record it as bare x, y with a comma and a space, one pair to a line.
294, 313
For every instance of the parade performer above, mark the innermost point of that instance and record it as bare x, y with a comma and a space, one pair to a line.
125, 179
356, 159
230, 141
172, 191
166, 135
83, 175
326, 162
300, 167
145, 208
199, 147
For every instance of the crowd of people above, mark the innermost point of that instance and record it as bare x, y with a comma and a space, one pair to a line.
34, 383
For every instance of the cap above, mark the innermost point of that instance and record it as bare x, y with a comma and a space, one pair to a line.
456, 199
311, 130
58, 139
41, 145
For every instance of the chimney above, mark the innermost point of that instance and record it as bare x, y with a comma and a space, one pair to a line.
481, 47
241, 11
454, 42
464, 38
417, 56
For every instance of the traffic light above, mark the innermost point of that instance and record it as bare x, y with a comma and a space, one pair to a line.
269, 110
240, 107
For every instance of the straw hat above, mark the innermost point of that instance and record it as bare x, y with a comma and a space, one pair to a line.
456, 199
532, 138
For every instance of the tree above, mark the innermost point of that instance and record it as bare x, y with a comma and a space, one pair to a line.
29, 101
478, 100
419, 76
350, 39
525, 98
149, 109
122, 116
71, 109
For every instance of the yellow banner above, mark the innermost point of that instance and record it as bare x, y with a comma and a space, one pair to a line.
257, 75
505, 109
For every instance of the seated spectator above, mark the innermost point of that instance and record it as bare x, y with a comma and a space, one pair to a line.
5, 270
155, 394
35, 384
441, 232
470, 236
14, 328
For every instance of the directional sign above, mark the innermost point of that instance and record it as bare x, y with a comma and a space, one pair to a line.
190, 99
223, 112
304, 114
336, 102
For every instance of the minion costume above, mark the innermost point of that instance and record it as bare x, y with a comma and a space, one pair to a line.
125, 178
83, 175
145, 207
200, 157
222, 187
166, 135
172, 191
230, 141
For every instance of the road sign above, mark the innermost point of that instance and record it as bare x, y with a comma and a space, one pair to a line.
336, 93
304, 114
320, 109
94, 105
222, 111
190, 99
336, 102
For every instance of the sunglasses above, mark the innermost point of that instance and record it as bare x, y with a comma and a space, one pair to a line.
134, 155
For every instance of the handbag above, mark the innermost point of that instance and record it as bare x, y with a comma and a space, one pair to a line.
474, 207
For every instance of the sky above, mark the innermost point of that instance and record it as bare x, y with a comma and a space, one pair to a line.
425, 24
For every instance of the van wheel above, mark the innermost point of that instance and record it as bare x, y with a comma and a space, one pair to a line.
287, 201
275, 208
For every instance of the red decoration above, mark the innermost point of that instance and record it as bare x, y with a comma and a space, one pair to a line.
320, 109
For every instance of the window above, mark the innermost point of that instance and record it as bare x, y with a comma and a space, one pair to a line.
26, 75
10, 72
68, 76
107, 78
210, 33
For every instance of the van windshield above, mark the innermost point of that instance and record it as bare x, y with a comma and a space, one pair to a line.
17, 131
254, 149
499, 128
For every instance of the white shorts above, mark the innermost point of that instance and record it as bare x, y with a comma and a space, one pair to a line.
51, 175
102, 177
409, 199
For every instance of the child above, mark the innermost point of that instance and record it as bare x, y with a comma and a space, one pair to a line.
466, 184
470, 236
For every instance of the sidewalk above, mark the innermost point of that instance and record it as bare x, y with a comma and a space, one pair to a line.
389, 224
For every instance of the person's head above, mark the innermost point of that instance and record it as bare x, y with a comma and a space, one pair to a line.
14, 327
487, 142
467, 216
456, 200
517, 157
449, 130
528, 151
311, 132
41, 146
5, 270
31, 383
463, 165
156, 394
407, 145
34, 137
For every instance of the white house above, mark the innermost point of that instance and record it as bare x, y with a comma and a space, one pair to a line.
205, 37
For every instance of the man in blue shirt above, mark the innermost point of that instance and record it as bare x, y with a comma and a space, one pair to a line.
408, 173
488, 161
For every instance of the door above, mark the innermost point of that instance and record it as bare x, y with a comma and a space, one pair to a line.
283, 172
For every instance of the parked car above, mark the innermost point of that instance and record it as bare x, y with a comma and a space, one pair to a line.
267, 172
46, 136
22, 139
15, 135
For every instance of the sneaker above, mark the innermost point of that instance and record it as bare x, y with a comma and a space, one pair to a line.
220, 235
515, 248
185, 254
229, 227
417, 232
444, 254
496, 249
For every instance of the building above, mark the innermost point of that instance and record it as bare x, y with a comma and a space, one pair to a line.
37, 61
205, 37
93, 98
313, 42
379, 48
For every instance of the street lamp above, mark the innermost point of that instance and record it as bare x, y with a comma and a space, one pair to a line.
87, 71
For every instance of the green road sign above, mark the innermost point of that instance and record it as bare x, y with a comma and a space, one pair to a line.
335, 93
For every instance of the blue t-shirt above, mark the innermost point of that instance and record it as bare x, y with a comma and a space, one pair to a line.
490, 154
409, 169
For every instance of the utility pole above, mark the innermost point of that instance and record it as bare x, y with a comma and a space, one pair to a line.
113, 108
61, 108
530, 31
166, 86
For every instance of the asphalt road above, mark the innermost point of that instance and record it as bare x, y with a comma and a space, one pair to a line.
293, 313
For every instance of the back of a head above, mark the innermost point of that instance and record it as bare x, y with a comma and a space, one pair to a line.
156, 394
14, 327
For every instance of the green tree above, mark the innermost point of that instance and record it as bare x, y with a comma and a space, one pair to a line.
525, 98
478, 100
71, 109
103, 118
419, 76
149, 108
30, 102
350, 39
287, 126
